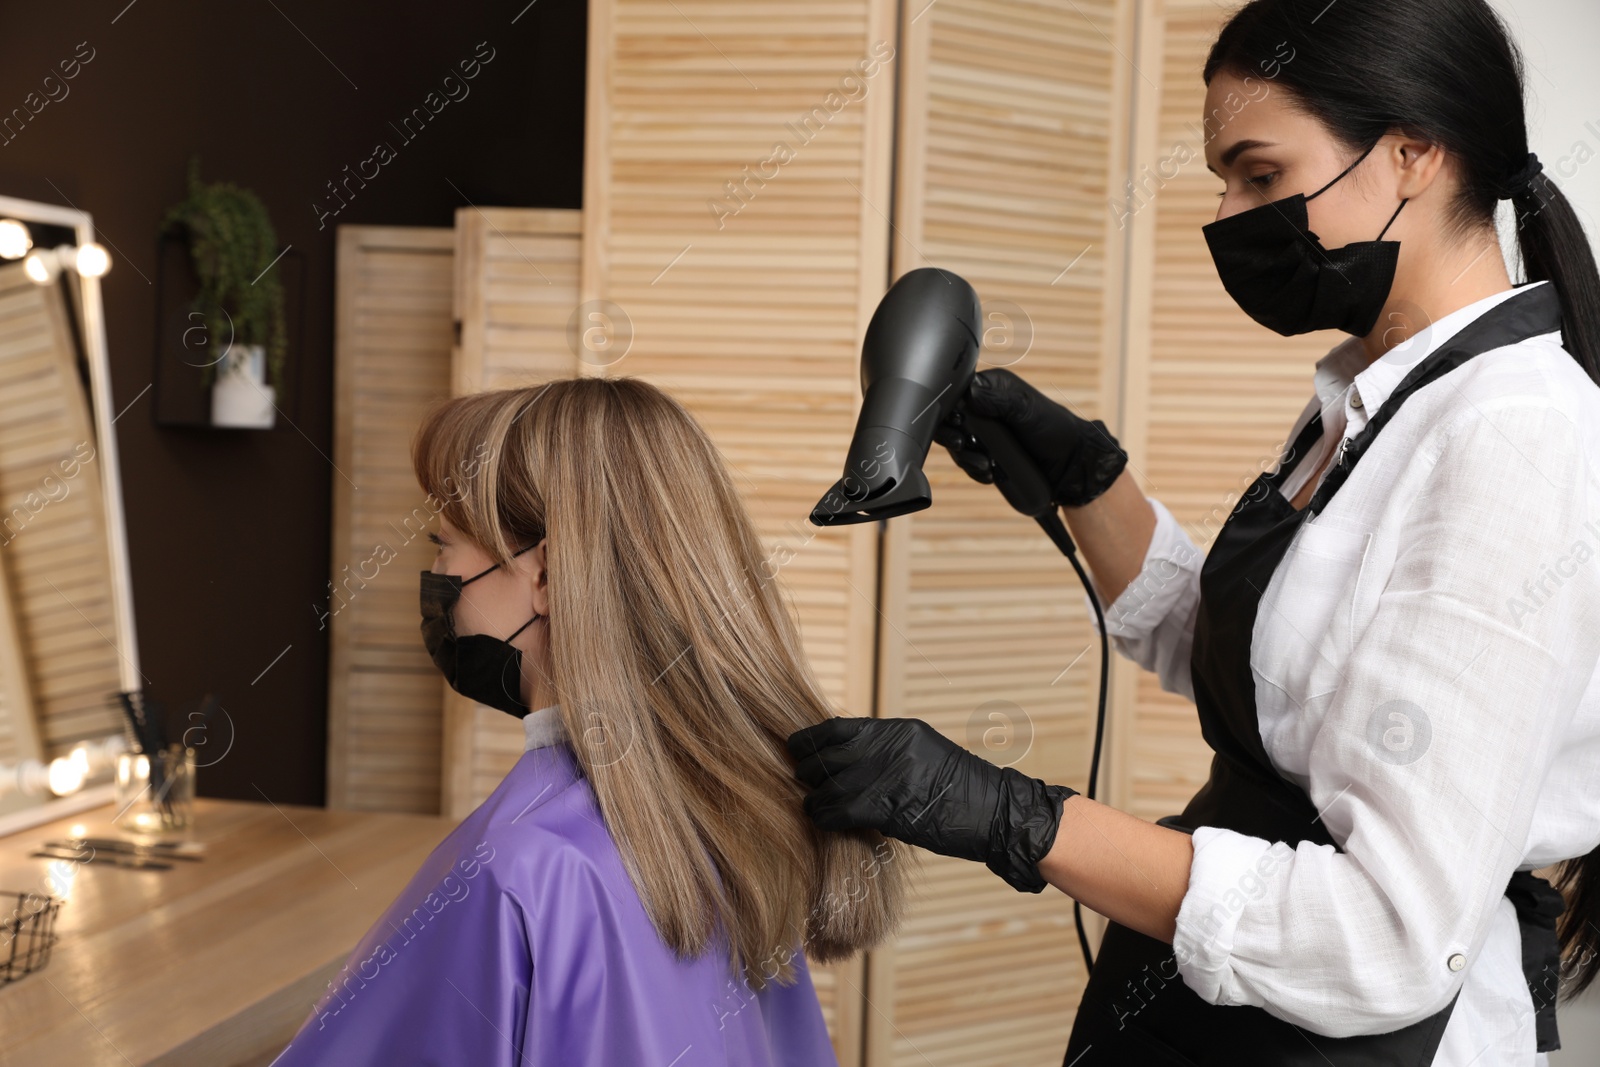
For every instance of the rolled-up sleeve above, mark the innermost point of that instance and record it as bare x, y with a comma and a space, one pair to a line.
1152, 621
1430, 754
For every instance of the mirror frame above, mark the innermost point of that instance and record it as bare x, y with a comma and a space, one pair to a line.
96, 354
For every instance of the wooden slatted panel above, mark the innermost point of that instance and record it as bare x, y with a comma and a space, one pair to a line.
1011, 139
754, 326
1217, 394
52, 518
19, 726
481, 745
516, 290
736, 211
392, 357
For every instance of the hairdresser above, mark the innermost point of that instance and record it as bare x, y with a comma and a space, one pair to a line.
1391, 643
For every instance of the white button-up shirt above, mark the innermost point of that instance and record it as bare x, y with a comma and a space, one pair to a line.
1425, 663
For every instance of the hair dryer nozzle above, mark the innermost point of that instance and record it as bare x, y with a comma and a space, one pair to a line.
917, 360
883, 472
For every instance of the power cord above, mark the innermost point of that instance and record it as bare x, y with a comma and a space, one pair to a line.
1053, 526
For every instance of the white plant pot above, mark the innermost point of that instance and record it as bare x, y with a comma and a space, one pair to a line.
240, 396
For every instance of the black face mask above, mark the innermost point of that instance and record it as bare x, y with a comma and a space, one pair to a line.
479, 667
1277, 270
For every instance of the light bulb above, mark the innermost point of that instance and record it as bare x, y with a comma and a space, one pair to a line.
66, 776
14, 239
41, 267
93, 260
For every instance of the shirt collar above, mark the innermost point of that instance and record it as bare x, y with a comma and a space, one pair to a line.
1346, 365
542, 728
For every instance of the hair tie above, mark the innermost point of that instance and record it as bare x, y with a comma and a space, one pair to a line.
1521, 182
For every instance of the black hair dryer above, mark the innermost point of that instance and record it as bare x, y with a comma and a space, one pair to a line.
917, 362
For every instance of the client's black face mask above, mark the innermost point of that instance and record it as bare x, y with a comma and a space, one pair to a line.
479, 667
1277, 270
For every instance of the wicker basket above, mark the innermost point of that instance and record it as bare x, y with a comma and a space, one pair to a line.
28, 935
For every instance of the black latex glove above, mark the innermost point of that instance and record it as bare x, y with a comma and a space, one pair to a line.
905, 779
1078, 457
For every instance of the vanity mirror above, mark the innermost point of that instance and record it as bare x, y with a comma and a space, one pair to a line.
67, 642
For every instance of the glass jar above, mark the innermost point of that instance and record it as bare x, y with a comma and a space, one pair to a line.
155, 793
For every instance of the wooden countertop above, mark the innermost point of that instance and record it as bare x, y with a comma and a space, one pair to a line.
215, 963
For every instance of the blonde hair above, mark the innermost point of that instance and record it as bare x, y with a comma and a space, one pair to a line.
676, 663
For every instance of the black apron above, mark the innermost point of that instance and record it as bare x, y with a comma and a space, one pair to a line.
1135, 1008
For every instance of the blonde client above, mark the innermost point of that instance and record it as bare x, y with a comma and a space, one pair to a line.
644, 886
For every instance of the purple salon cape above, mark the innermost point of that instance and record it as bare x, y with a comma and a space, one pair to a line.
521, 942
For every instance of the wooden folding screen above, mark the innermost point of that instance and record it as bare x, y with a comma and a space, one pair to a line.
53, 530
423, 313
1010, 156
1211, 394
391, 358
736, 199
516, 292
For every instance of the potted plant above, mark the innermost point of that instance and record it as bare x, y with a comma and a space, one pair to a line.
237, 318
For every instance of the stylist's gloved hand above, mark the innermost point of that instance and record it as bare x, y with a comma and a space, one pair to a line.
904, 778
1078, 457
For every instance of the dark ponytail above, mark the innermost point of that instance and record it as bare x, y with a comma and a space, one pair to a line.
1555, 249
1447, 72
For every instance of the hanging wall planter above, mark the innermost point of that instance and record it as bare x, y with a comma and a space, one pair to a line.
237, 335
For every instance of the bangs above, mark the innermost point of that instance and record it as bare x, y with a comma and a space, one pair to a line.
456, 457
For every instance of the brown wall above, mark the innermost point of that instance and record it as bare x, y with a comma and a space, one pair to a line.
228, 531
